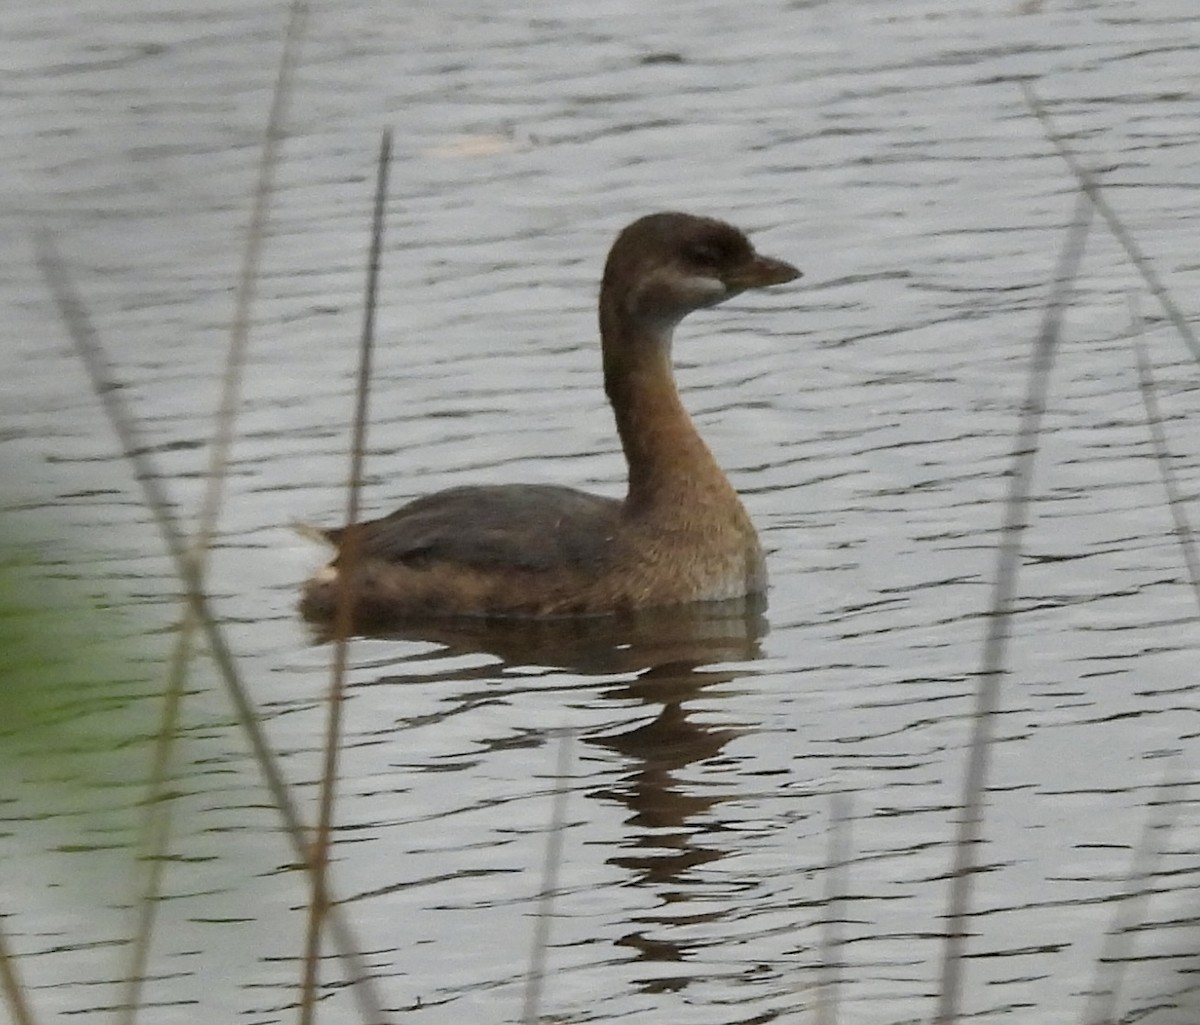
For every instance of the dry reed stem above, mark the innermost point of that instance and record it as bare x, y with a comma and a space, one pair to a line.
10, 983
319, 852
535, 980
155, 827
1162, 458
837, 862
999, 617
1115, 954
1102, 1005
92, 355
1091, 187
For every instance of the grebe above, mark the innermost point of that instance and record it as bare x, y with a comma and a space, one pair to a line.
680, 535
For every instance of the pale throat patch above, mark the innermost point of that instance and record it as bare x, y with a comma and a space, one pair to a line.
707, 290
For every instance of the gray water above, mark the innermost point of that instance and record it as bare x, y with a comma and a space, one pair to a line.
866, 414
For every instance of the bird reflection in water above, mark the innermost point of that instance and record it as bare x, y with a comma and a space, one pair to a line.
672, 822
669, 658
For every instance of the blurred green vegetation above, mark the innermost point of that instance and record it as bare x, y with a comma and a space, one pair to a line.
78, 688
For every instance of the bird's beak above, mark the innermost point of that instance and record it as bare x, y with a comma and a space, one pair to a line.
761, 272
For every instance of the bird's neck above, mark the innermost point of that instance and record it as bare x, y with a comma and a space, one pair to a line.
671, 469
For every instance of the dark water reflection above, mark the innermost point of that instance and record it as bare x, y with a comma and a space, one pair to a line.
664, 659
630, 642
673, 829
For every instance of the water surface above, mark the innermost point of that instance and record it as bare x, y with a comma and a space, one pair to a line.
866, 414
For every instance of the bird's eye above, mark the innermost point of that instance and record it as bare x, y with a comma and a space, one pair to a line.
704, 255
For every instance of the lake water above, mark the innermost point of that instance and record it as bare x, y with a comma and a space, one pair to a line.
866, 414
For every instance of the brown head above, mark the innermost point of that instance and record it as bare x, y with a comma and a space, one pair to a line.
660, 269
664, 266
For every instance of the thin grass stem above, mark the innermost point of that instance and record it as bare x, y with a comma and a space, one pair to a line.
92, 355
10, 984
1091, 187
319, 855
155, 827
1162, 458
1130, 911
837, 864
999, 618
535, 980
